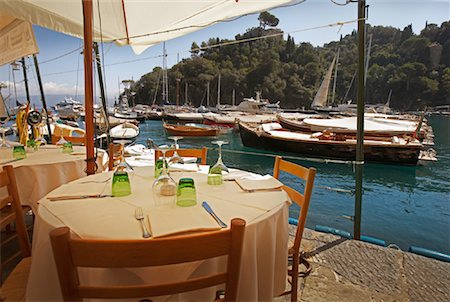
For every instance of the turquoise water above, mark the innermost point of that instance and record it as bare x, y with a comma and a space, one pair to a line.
403, 205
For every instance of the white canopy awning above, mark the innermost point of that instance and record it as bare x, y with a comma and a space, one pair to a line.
139, 23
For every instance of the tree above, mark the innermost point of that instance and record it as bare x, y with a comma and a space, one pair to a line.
267, 19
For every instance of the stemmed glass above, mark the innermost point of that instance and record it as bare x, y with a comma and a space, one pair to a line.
121, 180
219, 166
176, 158
4, 144
61, 142
164, 187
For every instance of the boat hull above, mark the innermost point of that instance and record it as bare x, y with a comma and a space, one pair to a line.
181, 130
396, 154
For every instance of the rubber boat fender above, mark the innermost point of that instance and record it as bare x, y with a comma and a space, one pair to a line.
373, 240
327, 229
429, 253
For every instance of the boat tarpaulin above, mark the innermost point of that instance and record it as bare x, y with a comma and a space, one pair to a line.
139, 23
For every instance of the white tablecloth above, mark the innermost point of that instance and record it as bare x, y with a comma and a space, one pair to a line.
264, 262
46, 169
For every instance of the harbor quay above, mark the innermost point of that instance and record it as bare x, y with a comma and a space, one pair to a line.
350, 270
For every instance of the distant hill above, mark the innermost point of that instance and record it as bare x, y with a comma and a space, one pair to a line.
416, 67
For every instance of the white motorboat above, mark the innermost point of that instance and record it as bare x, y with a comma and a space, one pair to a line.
126, 131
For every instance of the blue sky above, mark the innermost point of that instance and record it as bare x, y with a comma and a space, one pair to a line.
65, 75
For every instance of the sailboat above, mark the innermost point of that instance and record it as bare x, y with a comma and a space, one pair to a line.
320, 100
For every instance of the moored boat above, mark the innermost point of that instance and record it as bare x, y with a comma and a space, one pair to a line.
126, 131
328, 145
185, 130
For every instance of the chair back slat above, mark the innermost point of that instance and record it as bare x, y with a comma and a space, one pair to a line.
199, 153
102, 253
15, 209
136, 291
75, 140
115, 155
71, 253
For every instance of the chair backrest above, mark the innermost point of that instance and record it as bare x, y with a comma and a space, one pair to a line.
115, 155
199, 153
302, 200
71, 253
75, 140
11, 211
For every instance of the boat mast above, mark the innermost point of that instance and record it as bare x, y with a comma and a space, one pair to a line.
165, 91
25, 79
207, 95
335, 77
185, 93
218, 91
233, 99
44, 103
102, 92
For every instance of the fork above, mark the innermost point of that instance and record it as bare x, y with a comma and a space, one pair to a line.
139, 215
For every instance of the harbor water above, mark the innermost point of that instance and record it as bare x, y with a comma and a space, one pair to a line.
403, 205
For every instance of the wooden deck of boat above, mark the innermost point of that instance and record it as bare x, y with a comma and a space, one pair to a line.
350, 270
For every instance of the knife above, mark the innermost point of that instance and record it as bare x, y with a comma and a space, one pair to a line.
69, 197
208, 209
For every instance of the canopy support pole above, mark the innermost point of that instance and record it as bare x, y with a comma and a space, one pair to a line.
44, 103
88, 85
360, 120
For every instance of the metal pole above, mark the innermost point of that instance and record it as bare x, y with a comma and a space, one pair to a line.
360, 120
88, 85
102, 92
207, 95
178, 92
44, 103
218, 91
25, 79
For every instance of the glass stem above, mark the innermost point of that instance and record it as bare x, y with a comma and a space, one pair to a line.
164, 167
219, 160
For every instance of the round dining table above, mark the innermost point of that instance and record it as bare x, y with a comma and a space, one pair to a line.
46, 169
88, 209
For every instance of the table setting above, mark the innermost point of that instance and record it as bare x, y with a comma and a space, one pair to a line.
164, 202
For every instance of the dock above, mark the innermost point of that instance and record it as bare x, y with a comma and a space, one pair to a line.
351, 270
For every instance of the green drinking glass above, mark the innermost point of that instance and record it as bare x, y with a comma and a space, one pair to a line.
158, 167
186, 195
67, 147
215, 176
121, 184
19, 152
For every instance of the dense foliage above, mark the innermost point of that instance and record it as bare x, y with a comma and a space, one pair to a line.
416, 68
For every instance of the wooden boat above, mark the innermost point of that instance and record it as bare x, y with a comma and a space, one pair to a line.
328, 145
126, 131
184, 130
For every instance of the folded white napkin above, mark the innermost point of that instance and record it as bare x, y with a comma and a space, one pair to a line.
77, 189
184, 167
172, 220
258, 183
234, 174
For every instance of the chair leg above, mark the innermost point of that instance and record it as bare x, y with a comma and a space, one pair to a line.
294, 285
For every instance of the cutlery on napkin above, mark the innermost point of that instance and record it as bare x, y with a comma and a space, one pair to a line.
258, 183
208, 209
69, 197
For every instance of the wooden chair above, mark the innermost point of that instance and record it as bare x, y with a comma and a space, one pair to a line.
199, 153
71, 253
302, 200
11, 211
115, 155
75, 140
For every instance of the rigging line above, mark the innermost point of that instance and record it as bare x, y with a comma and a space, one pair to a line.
273, 35
312, 159
341, 4
198, 26
103, 53
60, 56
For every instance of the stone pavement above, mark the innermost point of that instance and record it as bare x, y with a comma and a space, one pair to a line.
350, 270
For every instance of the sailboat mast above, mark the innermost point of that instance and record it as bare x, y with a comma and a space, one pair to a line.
207, 94
335, 77
25, 79
165, 91
233, 100
186, 93
218, 91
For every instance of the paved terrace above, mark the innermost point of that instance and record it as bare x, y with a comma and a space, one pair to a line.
350, 270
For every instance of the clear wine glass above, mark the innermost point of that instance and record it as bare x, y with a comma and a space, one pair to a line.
121, 178
219, 166
4, 144
61, 142
176, 158
164, 187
